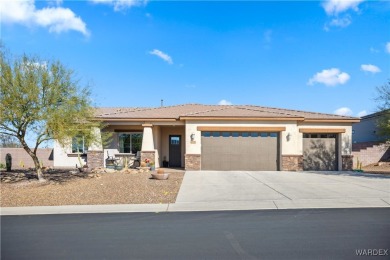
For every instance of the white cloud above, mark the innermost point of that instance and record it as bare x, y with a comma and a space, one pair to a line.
162, 55
373, 50
267, 38
388, 47
370, 68
343, 111
56, 19
335, 7
330, 77
120, 5
341, 22
362, 113
224, 102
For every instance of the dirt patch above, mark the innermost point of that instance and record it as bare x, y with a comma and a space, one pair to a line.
379, 168
73, 188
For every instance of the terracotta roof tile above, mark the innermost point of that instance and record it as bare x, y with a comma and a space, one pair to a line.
198, 110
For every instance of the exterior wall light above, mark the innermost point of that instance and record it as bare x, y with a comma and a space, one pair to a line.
192, 136
288, 137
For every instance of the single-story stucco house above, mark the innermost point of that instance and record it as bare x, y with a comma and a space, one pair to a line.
221, 137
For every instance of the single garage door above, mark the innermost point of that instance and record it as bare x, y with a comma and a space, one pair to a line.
229, 151
320, 152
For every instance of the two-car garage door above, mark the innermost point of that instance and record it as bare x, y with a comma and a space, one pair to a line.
251, 151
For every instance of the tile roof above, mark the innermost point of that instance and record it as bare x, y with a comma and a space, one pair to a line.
210, 111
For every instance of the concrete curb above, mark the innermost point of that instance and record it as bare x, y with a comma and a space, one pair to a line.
83, 209
200, 206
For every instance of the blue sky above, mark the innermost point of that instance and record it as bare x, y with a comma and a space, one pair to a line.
323, 56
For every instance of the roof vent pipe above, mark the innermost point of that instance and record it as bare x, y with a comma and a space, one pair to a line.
162, 102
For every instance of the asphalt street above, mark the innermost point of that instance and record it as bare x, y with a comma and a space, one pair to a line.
266, 234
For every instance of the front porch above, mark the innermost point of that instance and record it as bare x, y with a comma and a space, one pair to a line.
161, 144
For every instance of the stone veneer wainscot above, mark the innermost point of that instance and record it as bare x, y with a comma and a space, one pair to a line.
95, 159
292, 162
192, 162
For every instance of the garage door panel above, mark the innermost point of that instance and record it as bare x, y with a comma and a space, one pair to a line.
239, 153
320, 154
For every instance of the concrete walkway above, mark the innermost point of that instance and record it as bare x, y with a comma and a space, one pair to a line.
217, 190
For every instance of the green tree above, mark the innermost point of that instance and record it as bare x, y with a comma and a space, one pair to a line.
383, 99
9, 141
42, 101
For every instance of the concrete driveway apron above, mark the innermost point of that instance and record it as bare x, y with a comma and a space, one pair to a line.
224, 190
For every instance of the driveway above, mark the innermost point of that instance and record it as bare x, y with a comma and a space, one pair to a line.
222, 190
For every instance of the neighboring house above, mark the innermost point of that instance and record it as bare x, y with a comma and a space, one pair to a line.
367, 130
215, 137
368, 146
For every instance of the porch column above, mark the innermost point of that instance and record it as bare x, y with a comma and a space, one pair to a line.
147, 150
95, 156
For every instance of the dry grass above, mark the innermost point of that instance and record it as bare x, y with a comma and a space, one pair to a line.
64, 188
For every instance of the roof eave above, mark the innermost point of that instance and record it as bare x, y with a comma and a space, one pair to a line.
327, 120
138, 119
228, 118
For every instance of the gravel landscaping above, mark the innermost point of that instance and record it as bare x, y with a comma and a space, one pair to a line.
65, 187
379, 168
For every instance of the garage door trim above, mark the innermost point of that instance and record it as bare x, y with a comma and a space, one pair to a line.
240, 129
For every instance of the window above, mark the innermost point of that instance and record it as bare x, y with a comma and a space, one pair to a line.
235, 134
273, 134
215, 134
225, 134
245, 134
78, 144
175, 140
255, 134
319, 135
206, 134
130, 142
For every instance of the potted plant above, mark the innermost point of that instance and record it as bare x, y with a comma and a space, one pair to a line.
147, 161
160, 175
165, 162
152, 166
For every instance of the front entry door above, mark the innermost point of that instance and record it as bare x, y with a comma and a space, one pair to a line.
175, 151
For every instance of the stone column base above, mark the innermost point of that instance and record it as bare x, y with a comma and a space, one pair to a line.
292, 162
192, 162
347, 162
151, 155
95, 159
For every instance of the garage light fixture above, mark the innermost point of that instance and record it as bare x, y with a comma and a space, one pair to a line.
192, 136
288, 137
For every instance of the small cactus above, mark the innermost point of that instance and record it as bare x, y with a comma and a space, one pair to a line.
8, 162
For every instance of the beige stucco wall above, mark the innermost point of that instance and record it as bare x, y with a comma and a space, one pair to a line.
63, 156
345, 138
289, 146
166, 131
293, 146
157, 144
